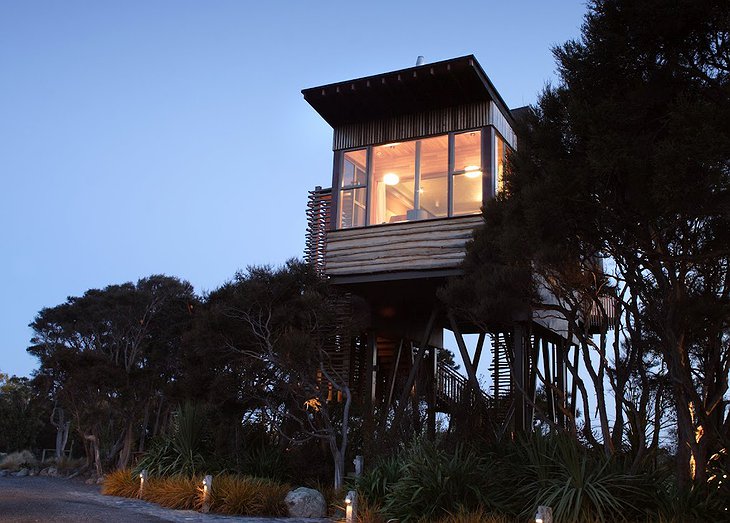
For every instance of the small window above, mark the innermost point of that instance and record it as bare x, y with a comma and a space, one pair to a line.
501, 161
353, 189
467, 198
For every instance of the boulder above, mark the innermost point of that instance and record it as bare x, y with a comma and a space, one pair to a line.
22, 473
306, 503
3, 473
49, 471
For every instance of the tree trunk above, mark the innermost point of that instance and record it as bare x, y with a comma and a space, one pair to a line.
126, 451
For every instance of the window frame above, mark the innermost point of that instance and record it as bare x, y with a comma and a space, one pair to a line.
487, 159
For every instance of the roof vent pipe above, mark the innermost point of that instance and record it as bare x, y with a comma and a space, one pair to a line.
420, 60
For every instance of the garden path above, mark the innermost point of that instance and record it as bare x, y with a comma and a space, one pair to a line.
40, 499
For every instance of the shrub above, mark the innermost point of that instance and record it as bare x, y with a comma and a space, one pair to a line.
183, 451
475, 516
266, 462
249, 496
177, 492
434, 483
578, 484
374, 484
122, 482
18, 460
370, 512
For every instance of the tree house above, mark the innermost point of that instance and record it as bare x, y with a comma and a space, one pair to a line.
416, 153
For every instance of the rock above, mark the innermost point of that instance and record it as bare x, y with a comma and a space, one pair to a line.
21, 473
52, 472
90, 481
3, 473
33, 472
100, 481
306, 503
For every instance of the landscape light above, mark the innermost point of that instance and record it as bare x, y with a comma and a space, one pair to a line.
351, 507
391, 179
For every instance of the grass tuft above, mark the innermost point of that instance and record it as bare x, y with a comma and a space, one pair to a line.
177, 492
18, 460
249, 496
121, 483
475, 516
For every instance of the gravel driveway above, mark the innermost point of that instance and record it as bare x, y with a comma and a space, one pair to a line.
55, 499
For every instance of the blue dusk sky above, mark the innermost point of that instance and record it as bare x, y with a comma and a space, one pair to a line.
171, 137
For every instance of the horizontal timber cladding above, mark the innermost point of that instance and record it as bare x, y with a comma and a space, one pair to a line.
423, 245
405, 127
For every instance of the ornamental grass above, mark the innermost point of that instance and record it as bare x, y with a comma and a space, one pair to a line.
249, 496
176, 492
121, 483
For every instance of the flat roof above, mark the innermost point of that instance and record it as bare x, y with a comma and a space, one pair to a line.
426, 87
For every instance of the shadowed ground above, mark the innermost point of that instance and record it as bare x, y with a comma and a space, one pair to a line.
53, 499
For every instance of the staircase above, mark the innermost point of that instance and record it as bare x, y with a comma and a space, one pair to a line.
451, 391
502, 389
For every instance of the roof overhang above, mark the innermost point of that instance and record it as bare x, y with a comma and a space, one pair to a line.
458, 81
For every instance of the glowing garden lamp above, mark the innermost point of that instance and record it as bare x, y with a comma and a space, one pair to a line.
351, 507
142, 481
207, 487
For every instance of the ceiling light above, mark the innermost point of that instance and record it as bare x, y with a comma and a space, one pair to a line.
390, 179
472, 171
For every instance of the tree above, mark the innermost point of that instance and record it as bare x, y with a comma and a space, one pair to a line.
628, 158
106, 358
20, 414
288, 317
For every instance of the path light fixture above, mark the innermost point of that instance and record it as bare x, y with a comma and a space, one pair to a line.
142, 481
544, 514
207, 487
351, 507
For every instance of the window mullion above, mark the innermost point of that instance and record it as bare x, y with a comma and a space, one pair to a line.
450, 189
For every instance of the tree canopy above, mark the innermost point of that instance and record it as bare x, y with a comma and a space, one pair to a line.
627, 160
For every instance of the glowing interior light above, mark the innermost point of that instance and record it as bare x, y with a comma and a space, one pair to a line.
390, 179
472, 171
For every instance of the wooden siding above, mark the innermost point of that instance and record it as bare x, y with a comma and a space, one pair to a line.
423, 245
498, 120
411, 126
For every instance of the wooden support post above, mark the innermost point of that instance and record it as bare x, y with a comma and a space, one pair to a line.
478, 351
414, 368
549, 381
560, 379
532, 377
470, 371
393, 376
574, 383
518, 376
431, 414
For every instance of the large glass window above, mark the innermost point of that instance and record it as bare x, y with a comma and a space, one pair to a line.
353, 189
467, 172
413, 180
410, 180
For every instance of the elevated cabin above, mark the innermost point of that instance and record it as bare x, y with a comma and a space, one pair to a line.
416, 154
